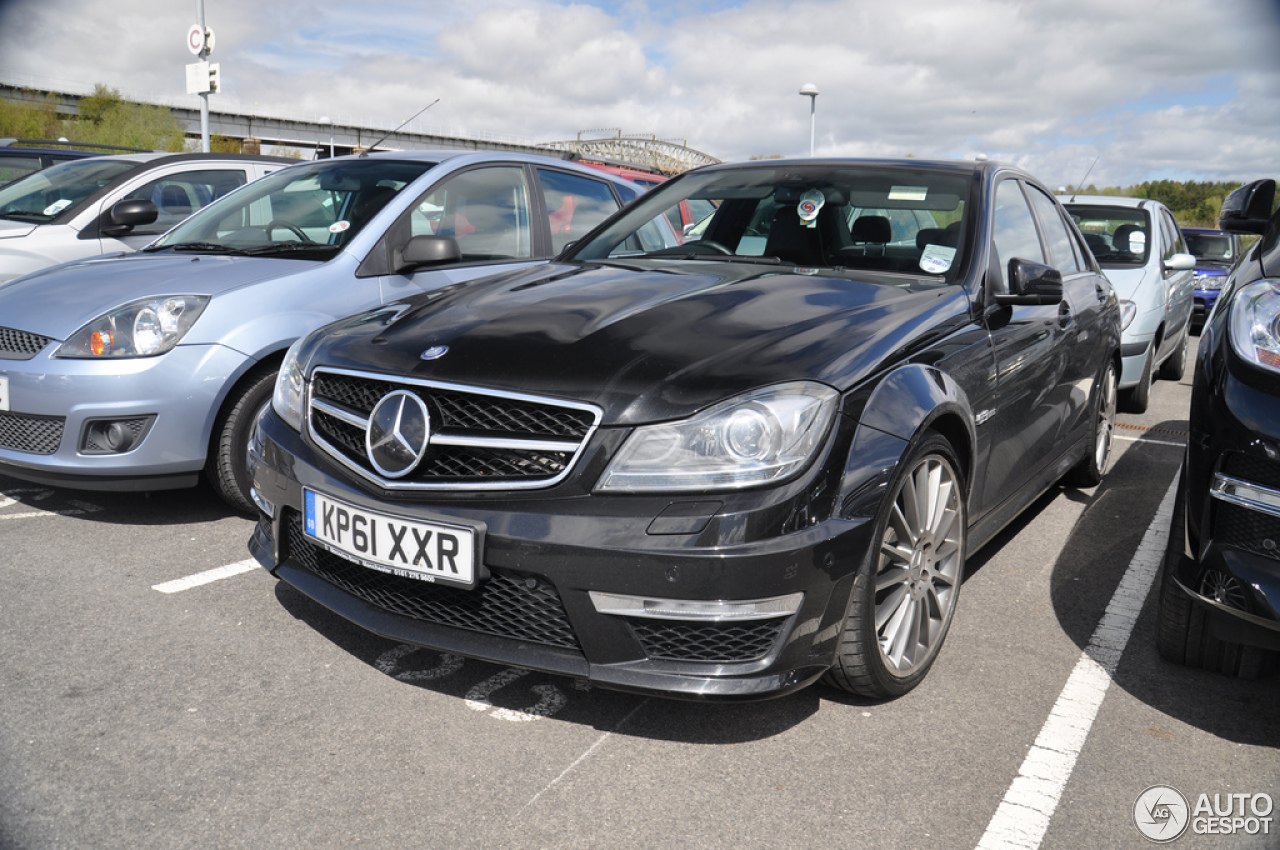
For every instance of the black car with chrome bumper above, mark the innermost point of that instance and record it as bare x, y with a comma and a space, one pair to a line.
719, 468
1220, 590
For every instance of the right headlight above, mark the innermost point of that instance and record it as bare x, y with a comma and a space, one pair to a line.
290, 383
1255, 324
760, 437
1128, 310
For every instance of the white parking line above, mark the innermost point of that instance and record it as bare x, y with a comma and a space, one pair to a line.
1147, 441
1023, 816
207, 576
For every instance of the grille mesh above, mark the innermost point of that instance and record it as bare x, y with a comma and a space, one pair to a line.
1254, 469
723, 643
35, 434
474, 414
1246, 529
510, 605
20, 345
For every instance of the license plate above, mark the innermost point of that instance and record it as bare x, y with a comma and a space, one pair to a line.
429, 551
4, 392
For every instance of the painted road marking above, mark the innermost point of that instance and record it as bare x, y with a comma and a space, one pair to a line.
207, 576
1023, 816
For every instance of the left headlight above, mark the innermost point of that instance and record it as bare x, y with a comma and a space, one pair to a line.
1255, 324
1128, 310
290, 383
760, 437
143, 328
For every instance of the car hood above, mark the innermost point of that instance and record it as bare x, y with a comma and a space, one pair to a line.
1127, 282
57, 301
646, 344
1212, 267
13, 229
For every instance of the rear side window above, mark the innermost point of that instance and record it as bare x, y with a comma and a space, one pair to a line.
574, 205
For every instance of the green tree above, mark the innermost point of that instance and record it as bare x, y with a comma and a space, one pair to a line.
107, 119
30, 120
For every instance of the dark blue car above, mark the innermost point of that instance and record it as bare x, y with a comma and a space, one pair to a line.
1217, 252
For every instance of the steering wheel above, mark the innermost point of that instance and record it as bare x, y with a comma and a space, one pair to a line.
302, 237
716, 247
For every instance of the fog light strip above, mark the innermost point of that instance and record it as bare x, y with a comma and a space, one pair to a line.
1246, 495
694, 609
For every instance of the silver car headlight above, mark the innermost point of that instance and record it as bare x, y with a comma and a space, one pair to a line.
290, 383
1255, 324
1128, 310
760, 437
143, 328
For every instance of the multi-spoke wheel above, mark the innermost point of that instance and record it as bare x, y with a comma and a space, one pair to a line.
1092, 467
904, 598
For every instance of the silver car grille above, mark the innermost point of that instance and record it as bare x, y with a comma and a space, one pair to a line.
479, 438
20, 345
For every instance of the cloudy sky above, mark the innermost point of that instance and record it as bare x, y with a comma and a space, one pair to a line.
1151, 89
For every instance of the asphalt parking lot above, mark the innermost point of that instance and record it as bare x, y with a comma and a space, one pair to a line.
159, 690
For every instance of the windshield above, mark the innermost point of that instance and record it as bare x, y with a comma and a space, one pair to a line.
883, 218
307, 211
41, 197
1211, 246
1116, 235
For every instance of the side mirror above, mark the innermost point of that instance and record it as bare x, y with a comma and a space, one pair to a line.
1248, 209
1180, 263
426, 251
1032, 283
127, 215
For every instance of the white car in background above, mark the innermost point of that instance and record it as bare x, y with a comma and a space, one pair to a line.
106, 204
1142, 252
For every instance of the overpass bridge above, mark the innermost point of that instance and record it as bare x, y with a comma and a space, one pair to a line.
317, 138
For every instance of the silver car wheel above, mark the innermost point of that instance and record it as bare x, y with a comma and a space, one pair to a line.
1106, 421
920, 567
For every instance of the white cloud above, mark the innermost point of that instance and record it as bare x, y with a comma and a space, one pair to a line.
1182, 88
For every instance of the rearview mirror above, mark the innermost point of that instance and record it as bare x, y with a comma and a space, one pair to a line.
127, 215
1248, 209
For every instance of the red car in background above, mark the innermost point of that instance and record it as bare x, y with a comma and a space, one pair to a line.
690, 212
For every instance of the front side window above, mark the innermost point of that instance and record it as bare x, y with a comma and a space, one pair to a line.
1014, 234
485, 209
177, 196
1061, 244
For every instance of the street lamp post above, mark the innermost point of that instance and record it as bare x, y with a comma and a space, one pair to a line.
811, 91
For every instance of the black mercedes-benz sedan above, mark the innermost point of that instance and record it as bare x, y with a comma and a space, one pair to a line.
719, 464
1220, 589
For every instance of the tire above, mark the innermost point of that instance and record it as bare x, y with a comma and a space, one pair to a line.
1183, 633
1175, 366
1093, 466
228, 466
909, 590
1137, 399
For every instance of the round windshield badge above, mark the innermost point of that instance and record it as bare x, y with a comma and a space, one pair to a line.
398, 433
435, 352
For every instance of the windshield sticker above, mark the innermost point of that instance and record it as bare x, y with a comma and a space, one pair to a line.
339, 226
936, 259
811, 203
57, 207
909, 193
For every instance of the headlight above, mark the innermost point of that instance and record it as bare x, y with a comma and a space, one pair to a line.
290, 382
1255, 324
142, 329
760, 437
1127, 311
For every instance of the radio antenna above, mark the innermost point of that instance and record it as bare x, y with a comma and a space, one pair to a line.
365, 152
1078, 185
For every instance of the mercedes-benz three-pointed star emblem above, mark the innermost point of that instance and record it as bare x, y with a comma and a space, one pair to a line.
398, 433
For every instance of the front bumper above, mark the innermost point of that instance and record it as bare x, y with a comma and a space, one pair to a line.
1231, 560
543, 557
60, 410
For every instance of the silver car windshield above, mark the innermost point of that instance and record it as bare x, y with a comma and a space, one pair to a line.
891, 218
61, 189
307, 211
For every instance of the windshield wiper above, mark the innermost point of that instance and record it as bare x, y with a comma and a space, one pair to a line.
716, 258
287, 248
13, 214
203, 247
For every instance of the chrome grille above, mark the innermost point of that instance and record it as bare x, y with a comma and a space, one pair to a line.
20, 345
480, 438
38, 435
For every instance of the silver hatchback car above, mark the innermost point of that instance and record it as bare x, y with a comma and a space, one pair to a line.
1142, 252
141, 371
